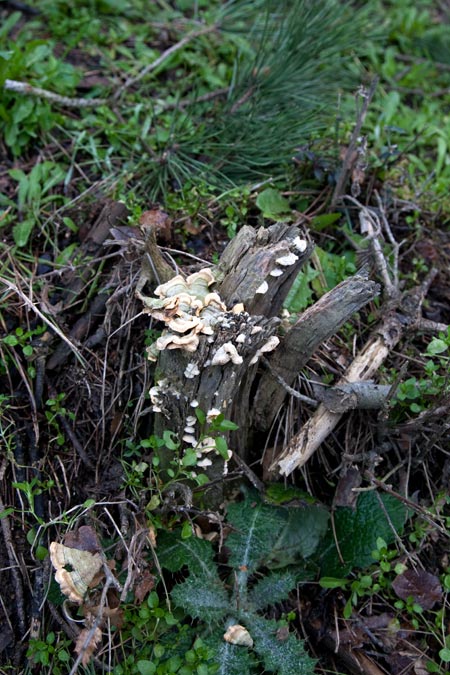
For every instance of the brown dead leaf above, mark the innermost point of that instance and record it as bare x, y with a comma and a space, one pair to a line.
83, 539
158, 220
194, 227
88, 648
345, 495
424, 587
115, 615
151, 535
282, 633
145, 582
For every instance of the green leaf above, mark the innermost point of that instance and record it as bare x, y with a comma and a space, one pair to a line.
10, 340
146, 667
6, 512
23, 109
284, 657
41, 552
171, 440
304, 527
332, 582
189, 458
357, 532
200, 415
197, 554
335, 268
9, 23
222, 447
273, 205
256, 528
281, 494
444, 654
437, 346
31, 537
68, 222
202, 598
66, 254
21, 231
275, 587
321, 222
227, 425
300, 295
186, 530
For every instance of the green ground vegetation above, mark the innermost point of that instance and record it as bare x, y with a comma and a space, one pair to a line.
226, 113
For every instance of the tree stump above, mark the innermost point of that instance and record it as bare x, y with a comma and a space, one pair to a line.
220, 322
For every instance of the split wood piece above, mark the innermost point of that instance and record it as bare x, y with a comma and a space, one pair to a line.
302, 446
82, 327
352, 396
354, 151
113, 213
258, 267
316, 324
154, 269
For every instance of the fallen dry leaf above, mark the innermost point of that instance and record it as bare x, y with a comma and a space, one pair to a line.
84, 539
77, 562
144, 584
158, 220
87, 649
422, 586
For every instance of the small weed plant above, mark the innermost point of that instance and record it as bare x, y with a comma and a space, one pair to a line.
416, 393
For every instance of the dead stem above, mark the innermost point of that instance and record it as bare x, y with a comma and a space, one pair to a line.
53, 326
161, 58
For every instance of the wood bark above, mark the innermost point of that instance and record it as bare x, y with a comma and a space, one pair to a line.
314, 326
402, 312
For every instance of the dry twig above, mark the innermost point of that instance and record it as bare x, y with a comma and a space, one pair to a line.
29, 303
367, 96
402, 311
163, 57
67, 101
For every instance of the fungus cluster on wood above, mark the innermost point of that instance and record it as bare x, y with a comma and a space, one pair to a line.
188, 308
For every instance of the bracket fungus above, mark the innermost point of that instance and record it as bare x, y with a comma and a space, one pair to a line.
188, 308
227, 352
271, 344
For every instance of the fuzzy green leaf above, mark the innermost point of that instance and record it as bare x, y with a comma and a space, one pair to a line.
233, 659
197, 554
287, 495
256, 528
202, 598
284, 657
357, 531
22, 231
275, 587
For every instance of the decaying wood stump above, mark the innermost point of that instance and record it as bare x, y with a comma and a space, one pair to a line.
220, 322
